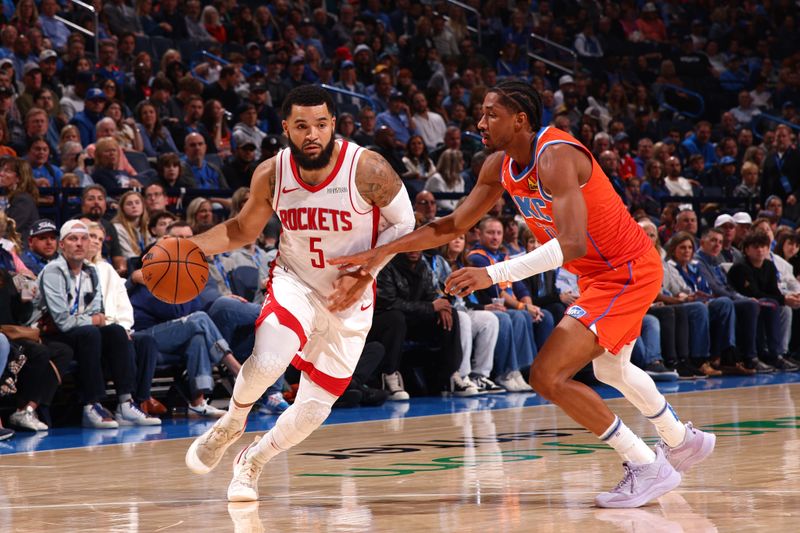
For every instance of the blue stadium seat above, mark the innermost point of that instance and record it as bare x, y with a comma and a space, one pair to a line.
138, 161
244, 282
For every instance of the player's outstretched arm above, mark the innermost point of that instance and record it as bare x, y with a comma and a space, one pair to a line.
561, 169
245, 227
485, 194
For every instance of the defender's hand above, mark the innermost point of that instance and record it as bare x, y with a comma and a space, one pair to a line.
347, 290
467, 280
365, 261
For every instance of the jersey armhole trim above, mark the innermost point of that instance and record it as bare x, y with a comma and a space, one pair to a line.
579, 146
355, 196
278, 179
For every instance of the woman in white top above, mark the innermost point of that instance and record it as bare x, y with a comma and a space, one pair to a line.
449, 179
419, 165
131, 225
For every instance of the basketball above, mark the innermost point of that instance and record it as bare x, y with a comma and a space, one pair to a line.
175, 270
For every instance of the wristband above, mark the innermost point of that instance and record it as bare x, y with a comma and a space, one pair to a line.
546, 257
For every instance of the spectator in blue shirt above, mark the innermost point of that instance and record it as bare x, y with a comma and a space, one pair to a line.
38, 157
398, 118
206, 175
91, 114
53, 29
700, 143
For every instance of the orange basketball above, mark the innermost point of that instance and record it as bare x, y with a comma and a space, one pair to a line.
175, 270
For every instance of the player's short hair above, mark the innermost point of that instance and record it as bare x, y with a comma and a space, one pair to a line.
521, 97
307, 96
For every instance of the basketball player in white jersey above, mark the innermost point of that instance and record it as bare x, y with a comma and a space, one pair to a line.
330, 196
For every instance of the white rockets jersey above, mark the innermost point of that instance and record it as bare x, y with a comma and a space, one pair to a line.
323, 221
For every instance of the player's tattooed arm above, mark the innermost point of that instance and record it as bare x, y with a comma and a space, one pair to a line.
269, 170
376, 180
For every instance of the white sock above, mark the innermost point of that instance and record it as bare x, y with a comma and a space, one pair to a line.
236, 413
627, 444
669, 427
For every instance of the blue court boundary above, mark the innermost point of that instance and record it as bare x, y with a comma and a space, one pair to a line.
179, 428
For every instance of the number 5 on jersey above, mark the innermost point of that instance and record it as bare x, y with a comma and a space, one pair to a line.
319, 262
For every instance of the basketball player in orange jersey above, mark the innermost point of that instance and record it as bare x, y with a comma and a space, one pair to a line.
330, 196
571, 207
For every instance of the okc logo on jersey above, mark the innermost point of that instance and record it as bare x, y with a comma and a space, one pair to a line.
532, 208
576, 311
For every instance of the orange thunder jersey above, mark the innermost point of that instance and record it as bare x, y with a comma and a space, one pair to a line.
612, 238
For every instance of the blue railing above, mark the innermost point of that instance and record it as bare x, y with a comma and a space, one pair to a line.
760, 120
676, 89
345, 92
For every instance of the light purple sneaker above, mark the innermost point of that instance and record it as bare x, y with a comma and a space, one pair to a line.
696, 446
641, 484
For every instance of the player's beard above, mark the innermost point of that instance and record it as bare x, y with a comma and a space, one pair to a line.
312, 163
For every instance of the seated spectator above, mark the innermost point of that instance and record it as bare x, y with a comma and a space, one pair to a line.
757, 277
45, 174
365, 134
42, 245
171, 174
398, 118
86, 120
159, 222
746, 309
73, 161
72, 305
37, 124
246, 129
117, 309
238, 170
425, 207
93, 208
787, 247
206, 175
407, 300
131, 225
686, 221
749, 187
448, 178
105, 171
676, 184
700, 143
532, 325
5, 139
419, 165
156, 139
386, 145
216, 132
21, 196
480, 328
726, 225
512, 240
722, 318
106, 128
38, 380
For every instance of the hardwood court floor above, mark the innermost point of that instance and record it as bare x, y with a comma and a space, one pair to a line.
518, 469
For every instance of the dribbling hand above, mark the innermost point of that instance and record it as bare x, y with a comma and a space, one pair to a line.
464, 281
347, 290
365, 261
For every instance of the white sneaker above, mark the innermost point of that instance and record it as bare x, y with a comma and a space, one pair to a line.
244, 485
129, 414
521, 383
207, 450
393, 384
206, 409
98, 417
509, 383
486, 385
461, 387
27, 419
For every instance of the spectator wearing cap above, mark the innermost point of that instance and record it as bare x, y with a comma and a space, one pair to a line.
781, 174
48, 63
566, 83
247, 128
52, 28
362, 57
238, 170
206, 175
728, 253
268, 120
700, 143
91, 114
727, 178
308, 36
398, 118
298, 73
73, 314
622, 145
32, 82
42, 245
650, 24
349, 82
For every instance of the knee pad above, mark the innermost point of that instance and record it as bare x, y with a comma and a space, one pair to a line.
299, 421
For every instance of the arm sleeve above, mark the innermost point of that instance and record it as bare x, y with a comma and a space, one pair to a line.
400, 216
546, 257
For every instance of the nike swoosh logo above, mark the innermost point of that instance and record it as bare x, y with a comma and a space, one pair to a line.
287, 191
365, 307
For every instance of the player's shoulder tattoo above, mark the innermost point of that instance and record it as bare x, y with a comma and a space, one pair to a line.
376, 180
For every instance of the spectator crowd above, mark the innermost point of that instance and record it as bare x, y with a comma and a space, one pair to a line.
154, 125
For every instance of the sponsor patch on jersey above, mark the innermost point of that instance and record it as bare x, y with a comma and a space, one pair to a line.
576, 311
336, 190
533, 184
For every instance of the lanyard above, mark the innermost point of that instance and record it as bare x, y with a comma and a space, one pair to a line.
257, 258
222, 273
74, 308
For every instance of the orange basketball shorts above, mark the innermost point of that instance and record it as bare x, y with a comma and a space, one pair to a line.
613, 303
